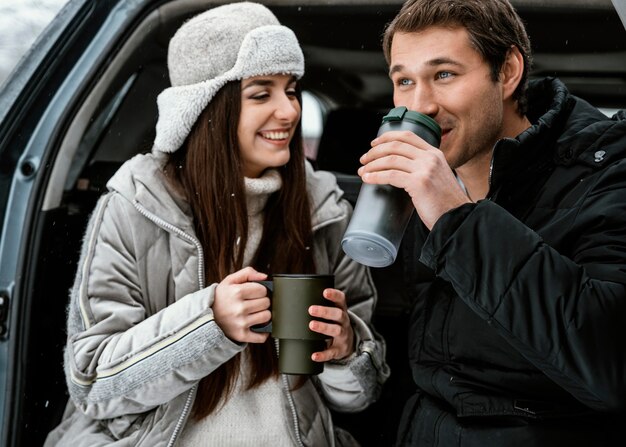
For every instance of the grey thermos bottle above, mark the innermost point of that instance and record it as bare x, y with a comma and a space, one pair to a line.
382, 212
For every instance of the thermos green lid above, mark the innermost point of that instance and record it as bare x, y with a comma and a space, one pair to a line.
402, 113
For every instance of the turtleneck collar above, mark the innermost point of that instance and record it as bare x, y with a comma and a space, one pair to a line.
259, 189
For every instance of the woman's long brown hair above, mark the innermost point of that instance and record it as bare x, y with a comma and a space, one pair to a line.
208, 169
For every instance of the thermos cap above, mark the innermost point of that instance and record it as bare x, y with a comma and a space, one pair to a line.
402, 113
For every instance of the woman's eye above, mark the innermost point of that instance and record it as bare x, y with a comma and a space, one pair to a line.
260, 96
291, 92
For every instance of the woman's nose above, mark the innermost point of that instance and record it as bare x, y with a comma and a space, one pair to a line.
288, 109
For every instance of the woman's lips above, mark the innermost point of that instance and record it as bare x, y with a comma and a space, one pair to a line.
275, 135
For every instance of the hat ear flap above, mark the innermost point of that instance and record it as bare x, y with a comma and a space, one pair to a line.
179, 109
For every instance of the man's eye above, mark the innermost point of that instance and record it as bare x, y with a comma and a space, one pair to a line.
404, 81
444, 75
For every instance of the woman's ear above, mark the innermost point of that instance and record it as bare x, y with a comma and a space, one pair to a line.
511, 73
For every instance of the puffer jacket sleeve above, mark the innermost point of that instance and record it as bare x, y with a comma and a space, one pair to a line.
565, 314
123, 356
351, 384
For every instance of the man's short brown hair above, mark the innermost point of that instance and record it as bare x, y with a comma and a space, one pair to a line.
493, 27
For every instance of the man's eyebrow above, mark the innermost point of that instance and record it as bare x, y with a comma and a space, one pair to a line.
442, 61
431, 63
395, 69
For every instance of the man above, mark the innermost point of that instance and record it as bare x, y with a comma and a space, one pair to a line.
518, 260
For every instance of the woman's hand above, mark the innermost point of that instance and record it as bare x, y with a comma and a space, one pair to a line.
337, 327
239, 304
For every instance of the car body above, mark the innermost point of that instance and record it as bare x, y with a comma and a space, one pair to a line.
83, 102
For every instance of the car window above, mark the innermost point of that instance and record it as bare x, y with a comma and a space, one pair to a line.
21, 23
312, 123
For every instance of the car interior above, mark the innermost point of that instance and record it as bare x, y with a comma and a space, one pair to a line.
347, 82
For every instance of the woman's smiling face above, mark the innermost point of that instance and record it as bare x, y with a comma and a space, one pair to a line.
270, 112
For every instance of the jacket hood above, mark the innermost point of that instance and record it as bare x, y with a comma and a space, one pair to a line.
573, 127
141, 179
325, 196
571, 122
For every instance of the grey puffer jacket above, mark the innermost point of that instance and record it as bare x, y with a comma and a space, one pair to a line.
141, 332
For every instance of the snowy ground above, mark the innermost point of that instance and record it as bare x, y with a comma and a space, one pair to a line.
21, 21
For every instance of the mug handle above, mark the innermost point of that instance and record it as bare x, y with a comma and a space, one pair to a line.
267, 327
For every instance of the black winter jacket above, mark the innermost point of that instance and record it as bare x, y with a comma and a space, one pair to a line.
518, 323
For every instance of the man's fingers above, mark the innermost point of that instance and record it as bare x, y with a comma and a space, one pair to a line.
391, 177
389, 162
403, 136
391, 148
400, 143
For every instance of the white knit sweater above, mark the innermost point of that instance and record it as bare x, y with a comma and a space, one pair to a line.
256, 416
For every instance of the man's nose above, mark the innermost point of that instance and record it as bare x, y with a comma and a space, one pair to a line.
423, 101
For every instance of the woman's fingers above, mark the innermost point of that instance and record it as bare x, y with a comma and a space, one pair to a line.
336, 325
240, 303
244, 275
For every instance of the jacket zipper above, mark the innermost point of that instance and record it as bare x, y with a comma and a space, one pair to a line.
183, 416
491, 163
490, 174
292, 405
171, 228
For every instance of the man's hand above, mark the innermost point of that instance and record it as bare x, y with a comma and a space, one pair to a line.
404, 160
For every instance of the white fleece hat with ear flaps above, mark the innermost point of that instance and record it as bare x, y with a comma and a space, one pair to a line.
227, 43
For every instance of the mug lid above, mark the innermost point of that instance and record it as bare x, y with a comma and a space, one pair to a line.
402, 113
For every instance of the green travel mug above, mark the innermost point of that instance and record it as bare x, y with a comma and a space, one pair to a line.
292, 295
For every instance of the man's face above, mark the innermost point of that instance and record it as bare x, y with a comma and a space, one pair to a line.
437, 72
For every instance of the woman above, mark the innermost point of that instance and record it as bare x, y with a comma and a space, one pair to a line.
160, 350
